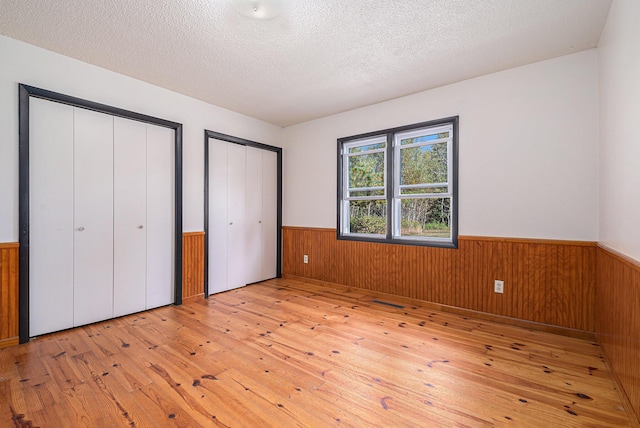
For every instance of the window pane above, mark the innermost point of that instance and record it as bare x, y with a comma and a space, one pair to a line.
359, 149
368, 217
424, 164
360, 193
426, 217
366, 170
422, 138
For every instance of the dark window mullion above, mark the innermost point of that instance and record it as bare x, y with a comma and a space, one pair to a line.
389, 184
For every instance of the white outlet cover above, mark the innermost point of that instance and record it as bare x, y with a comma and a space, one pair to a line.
498, 286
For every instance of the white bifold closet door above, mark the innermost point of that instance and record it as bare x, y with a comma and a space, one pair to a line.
227, 216
270, 229
160, 216
242, 215
130, 214
101, 216
51, 226
261, 197
218, 256
93, 217
236, 217
143, 216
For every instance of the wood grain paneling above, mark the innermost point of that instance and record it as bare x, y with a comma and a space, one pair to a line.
548, 282
8, 294
618, 319
192, 264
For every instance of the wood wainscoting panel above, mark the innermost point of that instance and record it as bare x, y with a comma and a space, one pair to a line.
545, 281
192, 264
618, 319
9, 256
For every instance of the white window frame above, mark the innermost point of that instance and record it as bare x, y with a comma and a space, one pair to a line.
346, 190
392, 175
397, 187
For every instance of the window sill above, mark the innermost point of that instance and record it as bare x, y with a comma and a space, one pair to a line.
451, 244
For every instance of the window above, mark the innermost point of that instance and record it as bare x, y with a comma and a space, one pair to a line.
400, 185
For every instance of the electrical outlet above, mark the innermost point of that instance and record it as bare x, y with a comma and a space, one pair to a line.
306, 258
498, 286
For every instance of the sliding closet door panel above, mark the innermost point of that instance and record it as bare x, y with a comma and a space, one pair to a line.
50, 217
253, 264
269, 214
93, 211
130, 216
160, 216
237, 216
218, 224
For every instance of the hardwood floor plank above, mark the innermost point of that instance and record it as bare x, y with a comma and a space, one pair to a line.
274, 402
287, 353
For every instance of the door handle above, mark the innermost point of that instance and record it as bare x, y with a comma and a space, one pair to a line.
80, 229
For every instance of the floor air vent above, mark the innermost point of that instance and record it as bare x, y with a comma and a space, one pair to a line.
393, 305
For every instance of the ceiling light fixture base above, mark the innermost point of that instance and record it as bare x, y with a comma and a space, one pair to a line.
258, 9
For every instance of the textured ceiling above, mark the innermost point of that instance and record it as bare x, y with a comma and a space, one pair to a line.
316, 58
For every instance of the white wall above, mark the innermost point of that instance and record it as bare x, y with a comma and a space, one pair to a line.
528, 142
23, 63
528, 151
619, 96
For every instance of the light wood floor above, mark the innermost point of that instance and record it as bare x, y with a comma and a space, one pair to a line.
284, 353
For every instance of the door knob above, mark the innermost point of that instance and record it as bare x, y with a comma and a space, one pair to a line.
231, 224
140, 227
80, 228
